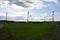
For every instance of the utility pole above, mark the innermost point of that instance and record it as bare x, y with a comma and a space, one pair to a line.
53, 16
28, 16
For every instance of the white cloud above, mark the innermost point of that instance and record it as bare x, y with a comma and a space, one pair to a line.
13, 6
2, 14
57, 16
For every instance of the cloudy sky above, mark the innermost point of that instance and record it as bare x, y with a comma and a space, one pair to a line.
39, 10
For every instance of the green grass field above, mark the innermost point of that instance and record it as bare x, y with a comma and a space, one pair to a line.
31, 31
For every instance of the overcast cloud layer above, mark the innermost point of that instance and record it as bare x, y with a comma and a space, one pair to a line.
27, 3
20, 5
24, 3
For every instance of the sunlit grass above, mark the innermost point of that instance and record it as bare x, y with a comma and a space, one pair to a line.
34, 30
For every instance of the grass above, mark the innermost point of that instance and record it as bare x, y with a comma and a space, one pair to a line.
31, 31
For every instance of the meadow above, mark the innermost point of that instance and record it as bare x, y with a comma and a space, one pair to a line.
29, 31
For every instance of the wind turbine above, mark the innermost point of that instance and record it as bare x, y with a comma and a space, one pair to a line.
53, 16
6, 16
6, 13
44, 18
5, 10
28, 16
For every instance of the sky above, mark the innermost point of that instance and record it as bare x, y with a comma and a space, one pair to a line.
39, 10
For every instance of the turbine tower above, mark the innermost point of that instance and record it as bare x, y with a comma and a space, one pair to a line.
6, 13
28, 16
5, 10
6, 16
53, 16
44, 18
